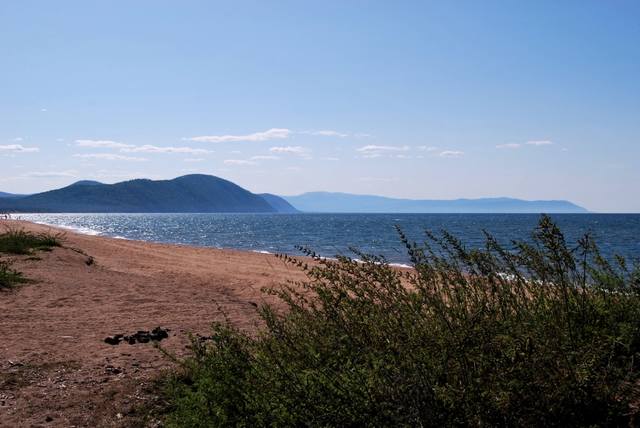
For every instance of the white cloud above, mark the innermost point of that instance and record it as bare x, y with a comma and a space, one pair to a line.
106, 144
330, 159
427, 148
18, 148
539, 143
239, 162
373, 148
264, 157
295, 150
528, 143
109, 156
147, 148
17, 139
373, 151
509, 146
193, 160
326, 133
451, 154
271, 134
50, 174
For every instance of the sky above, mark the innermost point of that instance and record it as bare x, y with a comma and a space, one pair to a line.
426, 99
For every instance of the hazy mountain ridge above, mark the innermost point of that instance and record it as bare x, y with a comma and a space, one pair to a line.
345, 202
279, 203
205, 193
189, 193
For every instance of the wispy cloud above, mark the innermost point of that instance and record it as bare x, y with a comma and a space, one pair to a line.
18, 148
264, 157
242, 162
330, 158
509, 146
109, 156
147, 148
51, 174
193, 160
326, 133
373, 151
427, 148
451, 154
270, 134
528, 143
102, 144
292, 150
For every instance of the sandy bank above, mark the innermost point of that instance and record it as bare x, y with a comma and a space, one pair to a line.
53, 361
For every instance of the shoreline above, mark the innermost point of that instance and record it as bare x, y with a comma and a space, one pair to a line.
97, 233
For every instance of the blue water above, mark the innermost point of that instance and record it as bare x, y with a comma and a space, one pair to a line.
332, 234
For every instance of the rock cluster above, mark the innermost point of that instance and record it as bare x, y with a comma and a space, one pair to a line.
142, 336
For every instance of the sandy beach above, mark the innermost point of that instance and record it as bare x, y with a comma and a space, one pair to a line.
56, 368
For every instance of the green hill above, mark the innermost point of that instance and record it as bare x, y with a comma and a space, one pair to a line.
189, 193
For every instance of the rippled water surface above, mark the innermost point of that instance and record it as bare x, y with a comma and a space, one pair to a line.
331, 234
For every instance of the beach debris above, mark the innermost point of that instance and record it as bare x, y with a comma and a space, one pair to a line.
141, 336
113, 370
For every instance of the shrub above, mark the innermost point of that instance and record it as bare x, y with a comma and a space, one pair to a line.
538, 335
8, 276
19, 241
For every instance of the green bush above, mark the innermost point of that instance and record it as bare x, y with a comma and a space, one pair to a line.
19, 241
538, 335
8, 276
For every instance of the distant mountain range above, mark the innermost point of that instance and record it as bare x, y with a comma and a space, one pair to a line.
190, 193
323, 202
206, 193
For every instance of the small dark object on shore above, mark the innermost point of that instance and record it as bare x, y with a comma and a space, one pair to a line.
142, 336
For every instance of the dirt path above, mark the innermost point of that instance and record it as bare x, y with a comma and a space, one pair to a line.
56, 370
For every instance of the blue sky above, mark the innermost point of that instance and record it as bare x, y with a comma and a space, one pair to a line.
536, 100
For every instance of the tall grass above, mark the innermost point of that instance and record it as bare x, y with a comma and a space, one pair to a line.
20, 241
9, 277
540, 334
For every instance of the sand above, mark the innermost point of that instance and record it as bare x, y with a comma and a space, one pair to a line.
56, 370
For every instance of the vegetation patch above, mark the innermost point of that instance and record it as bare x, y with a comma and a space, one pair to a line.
9, 277
19, 241
536, 334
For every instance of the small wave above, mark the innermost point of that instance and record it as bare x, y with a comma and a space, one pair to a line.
401, 265
79, 229
261, 252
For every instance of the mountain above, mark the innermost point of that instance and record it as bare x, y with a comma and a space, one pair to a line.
189, 193
9, 195
86, 183
345, 202
280, 205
